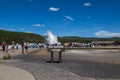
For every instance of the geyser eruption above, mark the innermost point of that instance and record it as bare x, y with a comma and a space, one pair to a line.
54, 46
51, 38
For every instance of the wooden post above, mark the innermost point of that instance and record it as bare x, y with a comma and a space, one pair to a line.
56, 50
60, 56
22, 47
52, 56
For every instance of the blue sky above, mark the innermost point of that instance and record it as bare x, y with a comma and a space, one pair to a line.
84, 18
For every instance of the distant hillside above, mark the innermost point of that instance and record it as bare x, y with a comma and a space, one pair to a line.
9, 36
85, 39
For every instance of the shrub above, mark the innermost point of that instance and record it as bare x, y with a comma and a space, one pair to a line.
7, 56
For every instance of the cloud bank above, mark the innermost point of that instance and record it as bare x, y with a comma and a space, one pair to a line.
106, 34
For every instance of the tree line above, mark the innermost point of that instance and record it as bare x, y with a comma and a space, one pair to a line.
19, 37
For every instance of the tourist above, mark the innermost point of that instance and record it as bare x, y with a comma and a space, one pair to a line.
26, 47
17, 46
13, 46
6, 48
3, 46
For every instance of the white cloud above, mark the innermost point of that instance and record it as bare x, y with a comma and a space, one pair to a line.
54, 9
87, 4
38, 25
69, 17
106, 34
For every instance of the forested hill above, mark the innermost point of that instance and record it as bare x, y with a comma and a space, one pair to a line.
86, 39
18, 37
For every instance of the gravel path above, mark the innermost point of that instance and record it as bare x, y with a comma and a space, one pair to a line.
40, 71
43, 72
84, 65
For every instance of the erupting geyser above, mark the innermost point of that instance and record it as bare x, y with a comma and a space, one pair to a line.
54, 47
51, 38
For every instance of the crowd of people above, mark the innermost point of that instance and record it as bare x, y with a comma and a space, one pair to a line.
5, 47
27, 45
76, 45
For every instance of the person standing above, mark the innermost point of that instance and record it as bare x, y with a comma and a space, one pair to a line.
26, 47
13, 46
6, 48
17, 46
3, 46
